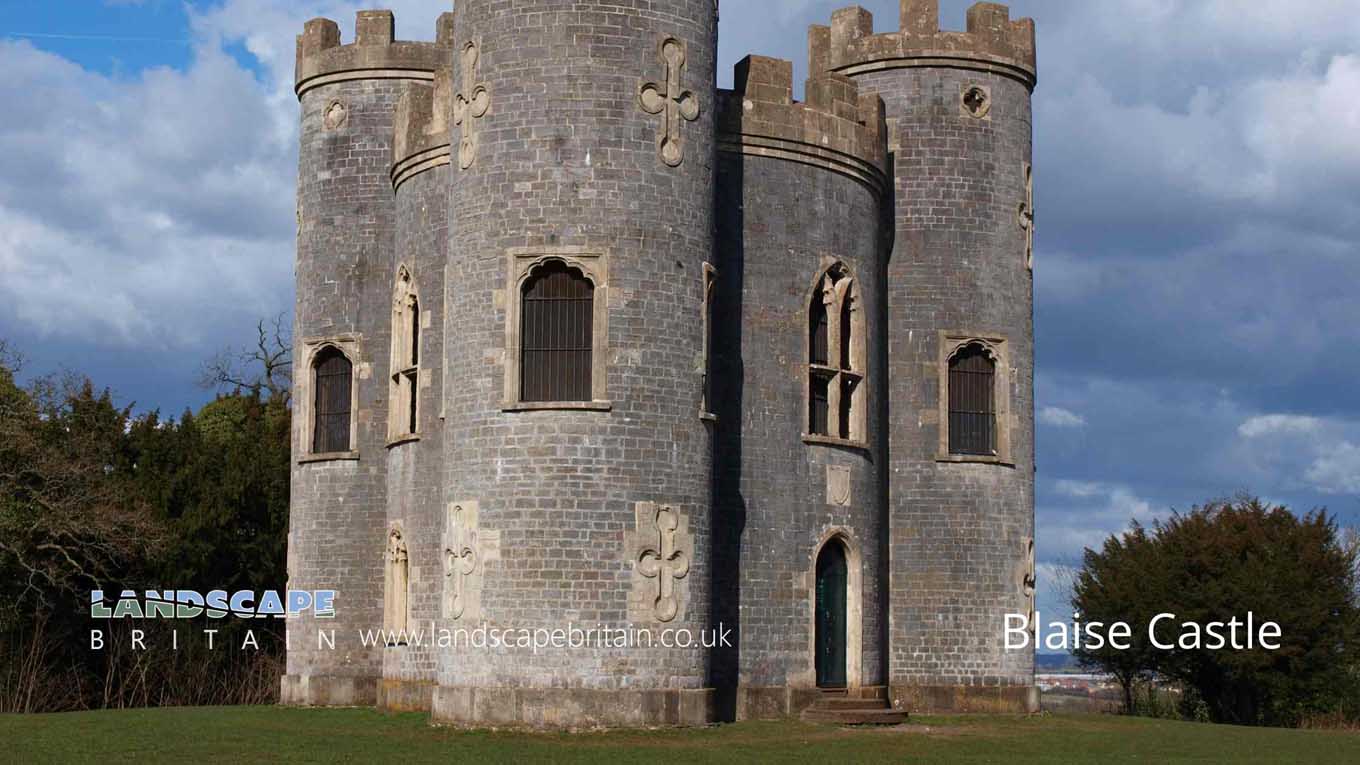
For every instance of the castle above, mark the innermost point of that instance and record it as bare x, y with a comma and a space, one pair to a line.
586, 342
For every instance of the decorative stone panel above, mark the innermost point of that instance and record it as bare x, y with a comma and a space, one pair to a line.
660, 550
467, 550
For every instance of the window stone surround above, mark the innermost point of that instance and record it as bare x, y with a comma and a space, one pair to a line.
951, 342
305, 393
593, 263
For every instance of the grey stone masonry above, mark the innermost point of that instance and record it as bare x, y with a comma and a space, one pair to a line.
958, 530
782, 225
776, 290
346, 239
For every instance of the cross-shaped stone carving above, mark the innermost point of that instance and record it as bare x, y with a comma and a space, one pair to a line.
470, 104
1027, 215
1029, 581
460, 560
671, 101
660, 560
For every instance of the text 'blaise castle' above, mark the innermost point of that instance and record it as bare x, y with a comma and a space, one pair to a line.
587, 342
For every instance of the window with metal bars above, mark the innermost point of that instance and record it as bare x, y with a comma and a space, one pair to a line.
972, 401
556, 335
331, 419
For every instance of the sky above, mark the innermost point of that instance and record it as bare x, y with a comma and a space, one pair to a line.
1197, 182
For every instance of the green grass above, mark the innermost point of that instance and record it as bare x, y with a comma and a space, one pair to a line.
237, 734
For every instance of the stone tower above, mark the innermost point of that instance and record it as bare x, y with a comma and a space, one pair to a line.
562, 163
960, 527
347, 226
586, 343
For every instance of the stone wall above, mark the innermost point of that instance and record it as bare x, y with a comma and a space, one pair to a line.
959, 530
346, 227
415, 463
800, 188
591, 133
558, 156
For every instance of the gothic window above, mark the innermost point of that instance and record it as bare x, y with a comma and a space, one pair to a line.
557, 329
333, 376
972, 401
836, 358
557, 334
710, 293
396, 583
404, 415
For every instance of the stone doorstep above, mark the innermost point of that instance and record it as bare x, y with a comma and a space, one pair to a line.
853, 712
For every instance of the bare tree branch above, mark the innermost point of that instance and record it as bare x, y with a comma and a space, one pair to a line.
265, 368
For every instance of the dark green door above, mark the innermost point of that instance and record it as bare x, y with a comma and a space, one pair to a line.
831, 581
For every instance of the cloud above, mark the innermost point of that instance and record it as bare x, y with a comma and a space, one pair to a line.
1315, 453
140, 212
1336, 471
1058, 417
1276, 424
1080, 514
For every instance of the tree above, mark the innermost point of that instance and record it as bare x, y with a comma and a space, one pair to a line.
267, 367
1121, 583
95, 497
1219, 562
68, 520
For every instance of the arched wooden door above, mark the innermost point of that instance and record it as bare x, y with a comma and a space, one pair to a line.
832, 582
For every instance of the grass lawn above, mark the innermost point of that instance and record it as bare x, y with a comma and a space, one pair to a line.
237, 734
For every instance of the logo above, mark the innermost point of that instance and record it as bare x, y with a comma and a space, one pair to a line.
215, 604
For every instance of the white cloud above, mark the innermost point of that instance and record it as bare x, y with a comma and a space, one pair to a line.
1315, 453
140, 211
1081, 514
157, 211
1336, 471
1058, 417
1274, 424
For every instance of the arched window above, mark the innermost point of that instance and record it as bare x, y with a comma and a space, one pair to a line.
836, 358
333, 378
972, 401
557, 334
405, 389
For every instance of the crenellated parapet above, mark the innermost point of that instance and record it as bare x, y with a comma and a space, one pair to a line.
992, 42
836, 128
375, 54
421, 127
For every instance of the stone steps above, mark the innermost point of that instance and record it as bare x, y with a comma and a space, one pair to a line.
850, 703
839, 708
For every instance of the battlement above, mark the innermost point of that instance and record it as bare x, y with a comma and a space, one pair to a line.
421, 127
991, 42
374, 54
837, 127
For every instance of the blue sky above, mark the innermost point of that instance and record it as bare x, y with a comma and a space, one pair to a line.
1198, 249
111, 37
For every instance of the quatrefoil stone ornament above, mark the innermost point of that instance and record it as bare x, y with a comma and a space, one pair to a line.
470, 105
661, 558
670, 100
460, 559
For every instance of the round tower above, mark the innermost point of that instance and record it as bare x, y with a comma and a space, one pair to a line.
578, 460
416, 277
801, 385
346, 219
960, 328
